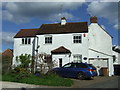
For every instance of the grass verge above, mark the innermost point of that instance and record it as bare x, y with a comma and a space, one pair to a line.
49, 80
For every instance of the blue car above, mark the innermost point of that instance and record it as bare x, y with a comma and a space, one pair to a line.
76, 70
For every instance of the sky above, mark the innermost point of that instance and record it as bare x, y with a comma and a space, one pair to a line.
25, 15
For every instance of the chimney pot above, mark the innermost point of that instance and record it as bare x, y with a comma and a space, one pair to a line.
63, 21
93, 19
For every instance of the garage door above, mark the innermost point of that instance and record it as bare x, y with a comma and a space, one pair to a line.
100, 64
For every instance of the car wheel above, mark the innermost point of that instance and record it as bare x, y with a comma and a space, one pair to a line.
81, 76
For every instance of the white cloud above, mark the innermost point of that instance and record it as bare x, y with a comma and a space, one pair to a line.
109, 0
22, 12
108, 10
7, 37
43, 1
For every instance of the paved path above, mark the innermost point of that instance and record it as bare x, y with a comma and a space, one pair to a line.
22, 85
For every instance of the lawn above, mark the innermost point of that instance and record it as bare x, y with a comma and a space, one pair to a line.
0, 77
49, 80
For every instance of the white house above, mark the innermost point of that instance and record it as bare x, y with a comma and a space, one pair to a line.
116, 59
68, 42
116, 53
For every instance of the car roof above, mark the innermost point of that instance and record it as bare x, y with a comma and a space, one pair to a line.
77, 63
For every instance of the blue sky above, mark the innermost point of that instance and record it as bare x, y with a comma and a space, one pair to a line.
21, 15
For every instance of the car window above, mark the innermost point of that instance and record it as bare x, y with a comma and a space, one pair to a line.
67, 66
81, 66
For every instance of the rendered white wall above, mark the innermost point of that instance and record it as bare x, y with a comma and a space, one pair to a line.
65, 40
20, 48
65, 59
100, 44
99, 39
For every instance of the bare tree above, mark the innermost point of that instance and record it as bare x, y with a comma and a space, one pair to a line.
45, 62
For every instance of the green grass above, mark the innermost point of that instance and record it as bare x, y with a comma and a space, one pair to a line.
0, 77
50, 80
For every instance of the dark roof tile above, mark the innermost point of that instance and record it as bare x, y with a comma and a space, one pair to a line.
60, 50
26, 33
78, 27
8, 52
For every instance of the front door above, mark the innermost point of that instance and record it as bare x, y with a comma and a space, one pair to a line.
60, 62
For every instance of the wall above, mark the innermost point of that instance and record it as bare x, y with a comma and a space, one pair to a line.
65, 59
100, 45
65, 40
20, 48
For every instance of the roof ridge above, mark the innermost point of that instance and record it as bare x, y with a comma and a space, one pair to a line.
30, 29
66, 23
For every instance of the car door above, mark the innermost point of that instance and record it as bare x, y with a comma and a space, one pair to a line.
65, 70
68, 70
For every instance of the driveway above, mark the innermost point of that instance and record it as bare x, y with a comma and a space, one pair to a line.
97, 82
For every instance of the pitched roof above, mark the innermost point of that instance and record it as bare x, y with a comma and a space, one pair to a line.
60, 50
26, 33
77, 27
8, 52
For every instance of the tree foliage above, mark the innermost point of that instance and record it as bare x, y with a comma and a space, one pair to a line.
24, 60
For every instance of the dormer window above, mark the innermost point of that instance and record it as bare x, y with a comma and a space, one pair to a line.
26, 40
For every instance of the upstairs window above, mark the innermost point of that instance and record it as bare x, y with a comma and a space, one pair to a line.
26, 41
77, 38
48, 39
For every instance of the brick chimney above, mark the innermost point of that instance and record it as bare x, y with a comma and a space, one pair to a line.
93, 19
63, 21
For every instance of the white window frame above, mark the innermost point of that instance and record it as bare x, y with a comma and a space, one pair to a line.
77, 40
49, 38
24, 42
77, 58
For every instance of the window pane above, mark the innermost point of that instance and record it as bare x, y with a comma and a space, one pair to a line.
77, 58
22, 40
29, 40
77, 39
48, 39
74, 37
25, 40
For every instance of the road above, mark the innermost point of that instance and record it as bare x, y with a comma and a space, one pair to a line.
97, 82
